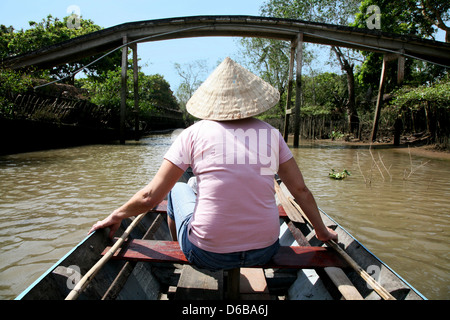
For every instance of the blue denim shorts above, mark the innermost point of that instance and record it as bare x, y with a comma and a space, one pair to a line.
180, 208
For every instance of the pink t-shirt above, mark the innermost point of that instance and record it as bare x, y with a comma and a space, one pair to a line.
235, 162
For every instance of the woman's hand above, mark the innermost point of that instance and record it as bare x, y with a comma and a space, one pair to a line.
112, 221
326, 235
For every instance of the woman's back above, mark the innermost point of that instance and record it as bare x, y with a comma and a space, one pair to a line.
234, 162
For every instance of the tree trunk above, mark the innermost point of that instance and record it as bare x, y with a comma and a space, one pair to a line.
398, 127
352, 115
431, 122
353, 119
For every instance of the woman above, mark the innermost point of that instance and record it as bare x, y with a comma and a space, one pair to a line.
231, 220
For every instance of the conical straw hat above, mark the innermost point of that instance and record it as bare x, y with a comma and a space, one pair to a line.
232, 92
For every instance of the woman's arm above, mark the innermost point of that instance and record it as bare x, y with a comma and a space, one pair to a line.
144, 200
291, 176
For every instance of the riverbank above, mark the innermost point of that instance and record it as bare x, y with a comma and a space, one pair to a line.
428, 151
28, 135
417, 147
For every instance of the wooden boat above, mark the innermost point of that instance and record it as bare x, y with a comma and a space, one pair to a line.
169, 277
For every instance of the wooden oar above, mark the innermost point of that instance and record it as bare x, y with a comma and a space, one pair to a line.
363, 274
290, 211
81, 285
337, 275
117, 284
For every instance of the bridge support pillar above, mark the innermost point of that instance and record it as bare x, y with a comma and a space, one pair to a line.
136, 91
400, 77
123, 90
289, 92
298, 89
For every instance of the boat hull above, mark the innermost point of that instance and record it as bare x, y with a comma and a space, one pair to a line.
152, 281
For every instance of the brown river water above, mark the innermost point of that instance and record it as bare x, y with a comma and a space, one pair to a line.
49, 200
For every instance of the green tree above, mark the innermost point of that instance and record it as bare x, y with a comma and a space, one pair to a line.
418, 18
432, 103
11, 83
326, 11
6, 35
193, 75
412, 18
50, 31
323, 94
269, 59
436, 13
153, 90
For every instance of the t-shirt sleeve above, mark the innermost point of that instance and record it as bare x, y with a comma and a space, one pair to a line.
179, 152
285, 152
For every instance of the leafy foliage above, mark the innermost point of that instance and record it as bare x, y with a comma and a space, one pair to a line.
102, 81
437, 95
412, 18
324, 11
11, 83
269, 59
154, 92
426, 108
50, 31
193, 75
338, 175
322, 93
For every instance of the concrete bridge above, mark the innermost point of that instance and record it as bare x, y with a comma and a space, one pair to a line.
296, 31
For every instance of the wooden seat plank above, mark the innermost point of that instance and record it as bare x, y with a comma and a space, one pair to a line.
195, 284
305, 257
286, 257
151, 251
253, 284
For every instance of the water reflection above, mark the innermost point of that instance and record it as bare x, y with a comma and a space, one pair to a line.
49, 200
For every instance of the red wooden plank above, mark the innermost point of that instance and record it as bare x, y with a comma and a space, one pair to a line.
281, 212
151, 251
287, 257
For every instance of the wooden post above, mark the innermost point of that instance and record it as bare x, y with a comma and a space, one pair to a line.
400, 77
233, 284
123, 90
289, 91
398, 125
401, 69
298, 89
379, 100
136, 91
